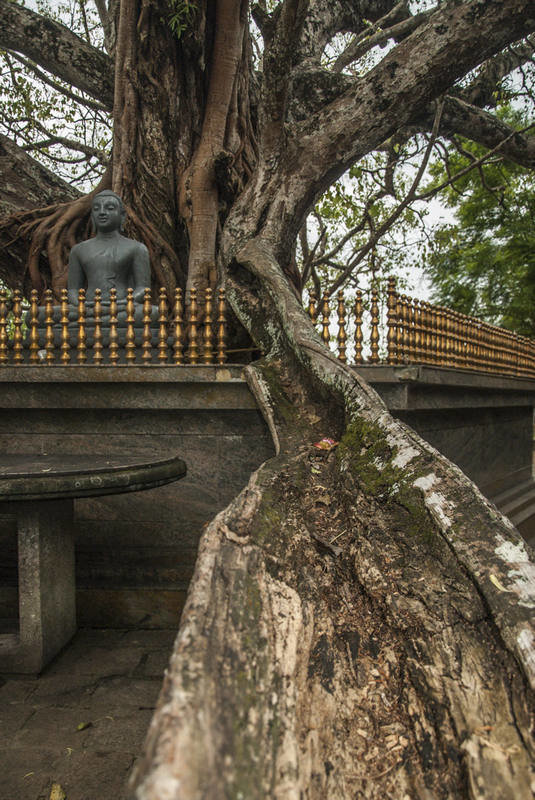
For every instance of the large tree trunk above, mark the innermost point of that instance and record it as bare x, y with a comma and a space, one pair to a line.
360, 622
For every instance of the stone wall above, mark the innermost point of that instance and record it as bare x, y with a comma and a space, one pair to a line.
135, 552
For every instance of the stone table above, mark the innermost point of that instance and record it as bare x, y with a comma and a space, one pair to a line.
40, 491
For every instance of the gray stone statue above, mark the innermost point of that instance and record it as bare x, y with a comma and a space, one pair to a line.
109, 260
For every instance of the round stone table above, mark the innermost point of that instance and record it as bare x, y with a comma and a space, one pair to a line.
40, 491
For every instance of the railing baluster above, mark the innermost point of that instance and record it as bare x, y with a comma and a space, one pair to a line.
193, 349
374, 333
178, 328
114, 337
208, 354
81, 343
49, 329
97, 335
4, 351
342, 335
312, 307
65, 348
325, 319
146, 339
221, 328
417, 311
162, 328
392, 323
18, 352
358, 327
33, 337
130, 339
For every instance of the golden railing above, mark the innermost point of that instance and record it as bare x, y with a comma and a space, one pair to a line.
387, 328
193, 333
402, 330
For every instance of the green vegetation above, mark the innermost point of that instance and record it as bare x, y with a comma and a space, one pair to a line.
483, 263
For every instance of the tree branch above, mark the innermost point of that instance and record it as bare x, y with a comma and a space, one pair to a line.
481, 91
396, 213
485, 128
454, 40
58, 50
379, 36
24, 185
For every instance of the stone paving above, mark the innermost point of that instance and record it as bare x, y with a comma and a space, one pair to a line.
82, 722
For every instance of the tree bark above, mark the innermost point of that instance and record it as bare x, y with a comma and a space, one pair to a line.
60, 51
25, 185
360, 624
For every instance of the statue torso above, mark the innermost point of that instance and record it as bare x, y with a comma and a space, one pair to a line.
107, 263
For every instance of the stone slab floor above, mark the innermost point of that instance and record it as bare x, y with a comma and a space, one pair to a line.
82, 722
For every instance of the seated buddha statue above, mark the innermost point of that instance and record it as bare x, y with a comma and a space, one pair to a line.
107, 261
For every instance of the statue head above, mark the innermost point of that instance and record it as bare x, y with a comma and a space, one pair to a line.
108, 212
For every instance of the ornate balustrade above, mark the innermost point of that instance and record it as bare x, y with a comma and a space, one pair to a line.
403, 330
182, 334
373, 329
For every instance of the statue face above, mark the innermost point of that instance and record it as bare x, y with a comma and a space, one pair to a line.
106, 214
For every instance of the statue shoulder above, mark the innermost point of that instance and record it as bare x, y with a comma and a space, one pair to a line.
140, 247
137, 249
80, 248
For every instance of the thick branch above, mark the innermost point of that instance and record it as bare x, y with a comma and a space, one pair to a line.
366, 41
58, 50
454, 40
202, 209
482, 127
482, 90
24, 184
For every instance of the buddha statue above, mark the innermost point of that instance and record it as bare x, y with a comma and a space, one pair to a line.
107, 261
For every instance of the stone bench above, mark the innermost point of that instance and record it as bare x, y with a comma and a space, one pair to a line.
40, 491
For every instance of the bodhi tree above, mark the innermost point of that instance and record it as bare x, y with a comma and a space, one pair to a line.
359, 623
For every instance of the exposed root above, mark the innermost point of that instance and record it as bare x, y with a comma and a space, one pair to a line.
52, 231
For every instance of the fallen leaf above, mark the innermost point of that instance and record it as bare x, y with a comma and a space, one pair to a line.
57, 793
83, 725
497, 584
326, 444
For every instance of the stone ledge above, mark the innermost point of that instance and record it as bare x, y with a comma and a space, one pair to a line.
137, 373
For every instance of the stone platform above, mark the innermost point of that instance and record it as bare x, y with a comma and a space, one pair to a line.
82, 723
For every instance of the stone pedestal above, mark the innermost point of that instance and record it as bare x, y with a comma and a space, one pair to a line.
47, 615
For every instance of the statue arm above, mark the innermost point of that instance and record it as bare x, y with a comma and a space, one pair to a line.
76, 277
141, 272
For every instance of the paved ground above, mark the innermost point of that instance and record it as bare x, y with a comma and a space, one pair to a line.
82, 722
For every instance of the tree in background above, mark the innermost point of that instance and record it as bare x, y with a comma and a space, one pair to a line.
483, 264
360, 620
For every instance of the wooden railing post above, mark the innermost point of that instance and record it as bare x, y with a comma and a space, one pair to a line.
4, 352
18, 356
221, 328
325, 319
358, 327
65, 348
391, 322
33, 337
342, 335
146, 337
178, 328
208, 328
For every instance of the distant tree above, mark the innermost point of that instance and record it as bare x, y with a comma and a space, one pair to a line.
483, 263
